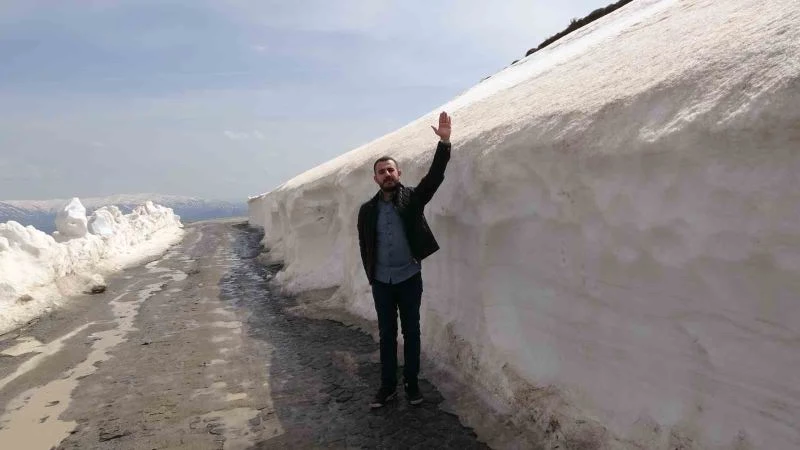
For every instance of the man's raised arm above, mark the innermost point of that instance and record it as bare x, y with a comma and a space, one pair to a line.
433, 179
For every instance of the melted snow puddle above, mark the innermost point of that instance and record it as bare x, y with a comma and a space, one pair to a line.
31, 419
218, 390
235, 397
231, 325
44, 351
215, 389
224, 312
26, 344
234, 424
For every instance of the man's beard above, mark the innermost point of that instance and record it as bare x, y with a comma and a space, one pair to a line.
391, 188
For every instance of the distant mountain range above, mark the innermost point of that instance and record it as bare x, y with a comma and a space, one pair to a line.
42, 213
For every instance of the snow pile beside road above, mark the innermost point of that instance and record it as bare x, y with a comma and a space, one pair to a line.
620, 230
38, 270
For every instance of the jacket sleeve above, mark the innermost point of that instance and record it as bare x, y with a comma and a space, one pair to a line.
433, 179
362, 245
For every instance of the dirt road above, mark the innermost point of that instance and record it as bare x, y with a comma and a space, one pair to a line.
194, 351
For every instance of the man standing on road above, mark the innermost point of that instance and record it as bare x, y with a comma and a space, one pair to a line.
394, 238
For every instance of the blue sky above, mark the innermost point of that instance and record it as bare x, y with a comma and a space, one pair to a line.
229, 98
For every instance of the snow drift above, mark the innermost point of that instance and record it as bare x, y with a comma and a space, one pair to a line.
37, 270
42, 213
620, 230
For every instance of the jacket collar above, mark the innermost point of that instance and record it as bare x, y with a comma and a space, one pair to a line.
377, 197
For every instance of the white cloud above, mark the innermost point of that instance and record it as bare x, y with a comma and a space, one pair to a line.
312, 15
232, 135
244, 135
510, 25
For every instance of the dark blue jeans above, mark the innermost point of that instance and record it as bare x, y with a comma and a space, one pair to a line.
405, 297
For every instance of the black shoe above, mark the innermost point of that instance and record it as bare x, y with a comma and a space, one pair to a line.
384, 396
413, 394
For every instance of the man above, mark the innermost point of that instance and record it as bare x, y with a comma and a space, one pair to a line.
394, 238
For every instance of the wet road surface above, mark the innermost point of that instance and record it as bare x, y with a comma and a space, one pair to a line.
194, 350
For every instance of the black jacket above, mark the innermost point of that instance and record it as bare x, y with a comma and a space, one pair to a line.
410, 203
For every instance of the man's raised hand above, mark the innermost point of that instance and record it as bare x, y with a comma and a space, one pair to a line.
444, 129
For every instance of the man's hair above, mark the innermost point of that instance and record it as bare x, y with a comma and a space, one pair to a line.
383, 159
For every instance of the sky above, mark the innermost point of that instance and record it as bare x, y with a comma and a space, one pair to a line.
223, 99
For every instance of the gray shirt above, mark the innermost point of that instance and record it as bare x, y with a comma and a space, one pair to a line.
394, 262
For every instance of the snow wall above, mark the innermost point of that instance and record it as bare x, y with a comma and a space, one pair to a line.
620, 230
38, 271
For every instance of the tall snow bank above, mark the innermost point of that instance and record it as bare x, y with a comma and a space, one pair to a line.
37, 270
620, 230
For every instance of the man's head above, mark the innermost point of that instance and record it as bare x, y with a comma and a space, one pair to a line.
387, 174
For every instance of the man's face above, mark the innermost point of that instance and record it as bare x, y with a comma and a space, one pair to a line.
387, 175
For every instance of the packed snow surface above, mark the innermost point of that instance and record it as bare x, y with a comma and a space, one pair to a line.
620, 230
37, 271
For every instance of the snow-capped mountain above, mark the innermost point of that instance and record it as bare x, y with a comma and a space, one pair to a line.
41, 213
40, 219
